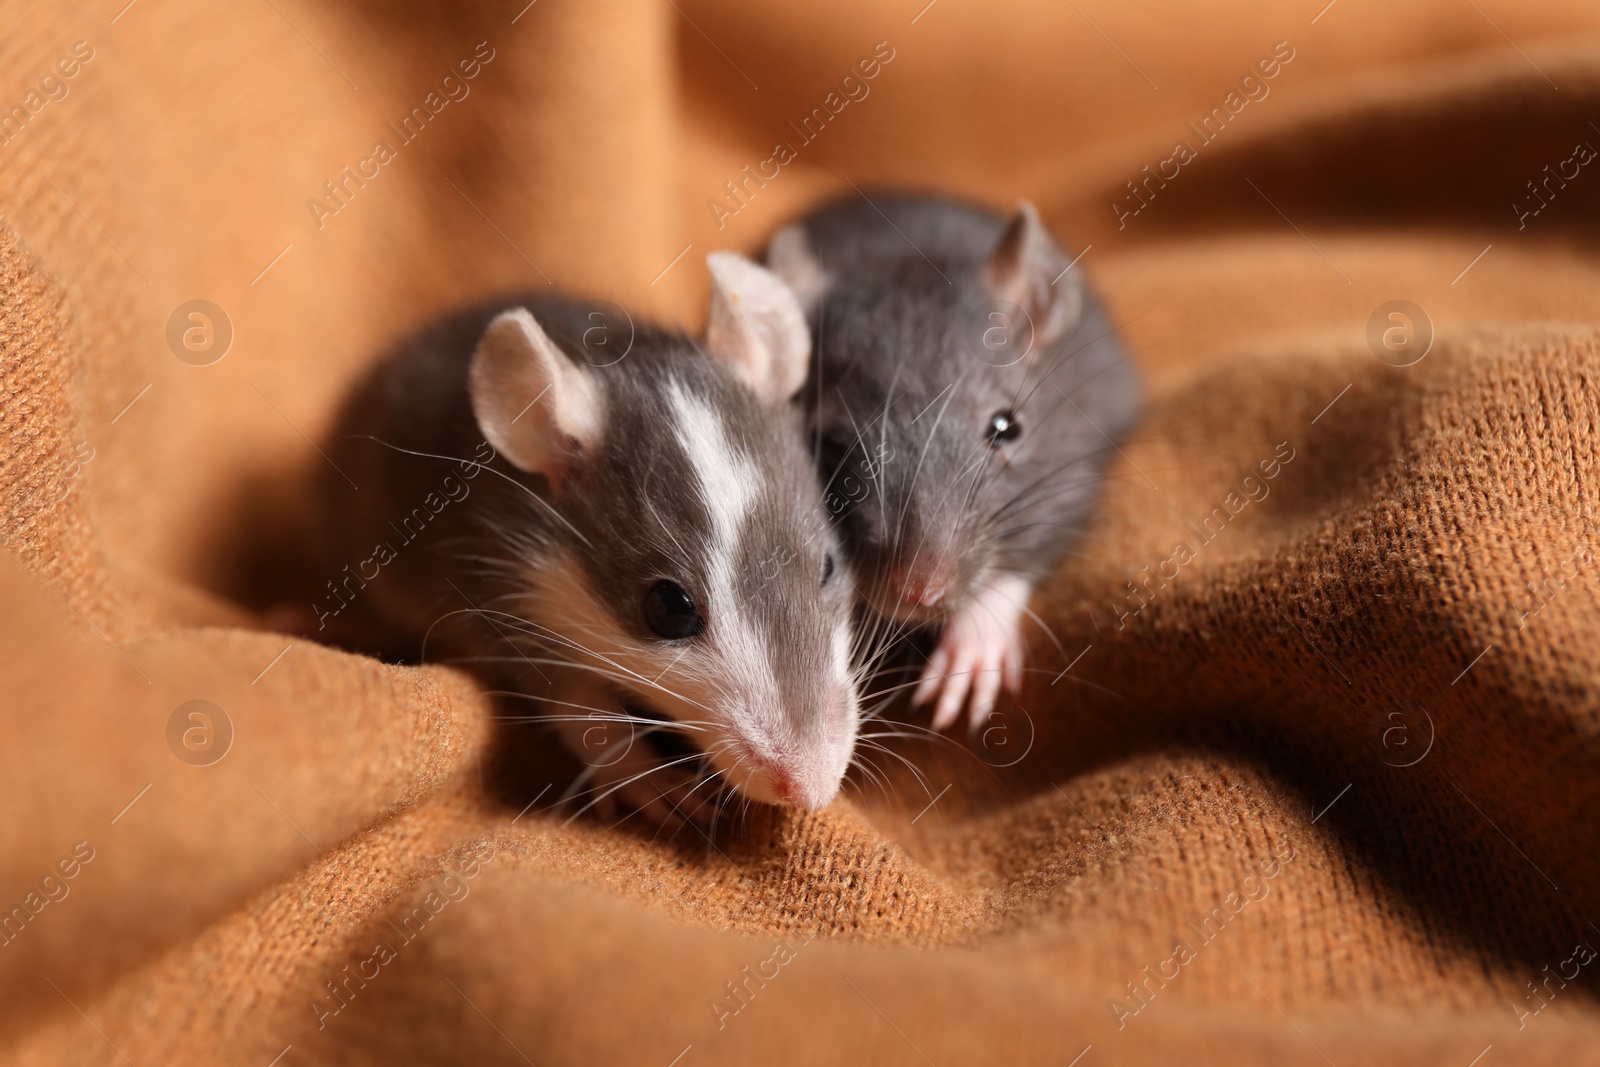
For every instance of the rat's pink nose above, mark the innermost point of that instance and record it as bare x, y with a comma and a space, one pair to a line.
924, 582
783, 785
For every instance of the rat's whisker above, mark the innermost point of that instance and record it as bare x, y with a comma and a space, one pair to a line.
653, 769
544, 633
891, 752
535, 497
862, 762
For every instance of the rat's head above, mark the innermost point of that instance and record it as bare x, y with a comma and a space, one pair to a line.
688, 566
950, 405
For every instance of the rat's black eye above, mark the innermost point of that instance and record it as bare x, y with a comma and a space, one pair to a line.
827, 568
1003, 429
670, 613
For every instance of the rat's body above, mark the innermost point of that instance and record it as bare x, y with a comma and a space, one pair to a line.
960, 344
589, 531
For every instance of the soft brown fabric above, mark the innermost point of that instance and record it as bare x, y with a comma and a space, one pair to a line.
1422, 569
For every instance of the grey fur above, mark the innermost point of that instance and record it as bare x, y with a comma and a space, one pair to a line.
629, 515
896, 322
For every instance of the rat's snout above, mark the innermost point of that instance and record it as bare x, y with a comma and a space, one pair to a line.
923, 581
784, 788
788, 787
790, 742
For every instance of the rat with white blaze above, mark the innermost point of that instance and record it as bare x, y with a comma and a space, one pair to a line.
967, 346
581, 517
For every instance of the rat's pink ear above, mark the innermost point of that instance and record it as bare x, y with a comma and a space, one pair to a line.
534, 405
756, 329
789, 256
1029, 269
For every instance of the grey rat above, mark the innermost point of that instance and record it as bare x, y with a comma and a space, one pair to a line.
585, 510
963, 362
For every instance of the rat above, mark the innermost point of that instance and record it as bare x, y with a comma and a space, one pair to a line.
963, 364
616, 521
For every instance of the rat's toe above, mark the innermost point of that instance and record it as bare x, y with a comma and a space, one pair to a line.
985, 687
932, 676
956, 686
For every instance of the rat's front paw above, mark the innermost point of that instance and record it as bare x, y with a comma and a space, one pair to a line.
626, 773
979, 651
665, 797
628, 777
663, 800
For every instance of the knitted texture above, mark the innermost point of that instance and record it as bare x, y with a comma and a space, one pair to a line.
1305, 770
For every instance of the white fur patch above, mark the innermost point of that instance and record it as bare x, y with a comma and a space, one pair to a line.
728, 485
727, 480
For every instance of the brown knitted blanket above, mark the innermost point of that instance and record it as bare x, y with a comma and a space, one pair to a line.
1308, 771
